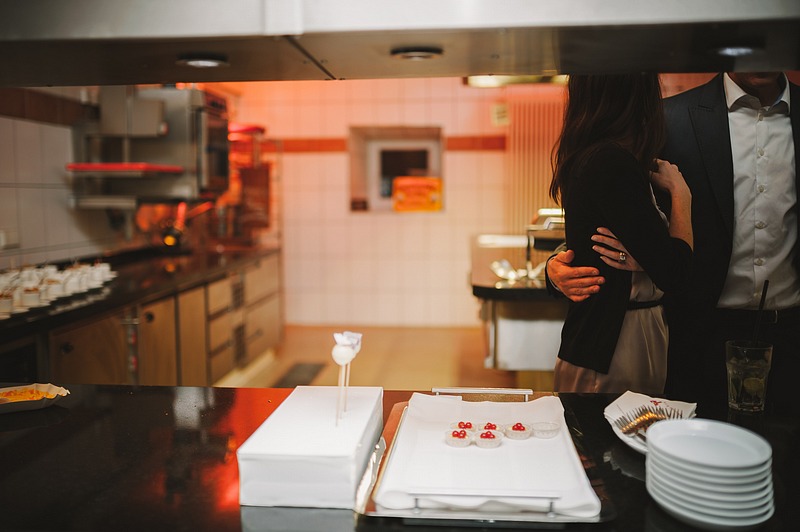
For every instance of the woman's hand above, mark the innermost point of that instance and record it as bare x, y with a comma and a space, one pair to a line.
613, 253
669, 178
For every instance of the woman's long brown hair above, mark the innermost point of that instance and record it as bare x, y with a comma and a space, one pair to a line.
621, 108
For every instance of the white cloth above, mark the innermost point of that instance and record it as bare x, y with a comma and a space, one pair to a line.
765, 202
517, 475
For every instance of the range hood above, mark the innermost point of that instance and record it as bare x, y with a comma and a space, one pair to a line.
102, 42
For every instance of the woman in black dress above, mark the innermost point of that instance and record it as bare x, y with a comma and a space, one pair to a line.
604, 166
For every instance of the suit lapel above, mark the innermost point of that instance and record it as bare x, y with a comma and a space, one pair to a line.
794, 114
710, 122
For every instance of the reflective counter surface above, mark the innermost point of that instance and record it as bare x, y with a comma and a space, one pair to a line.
164, 458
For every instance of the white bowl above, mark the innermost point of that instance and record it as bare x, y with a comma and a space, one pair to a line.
545, 429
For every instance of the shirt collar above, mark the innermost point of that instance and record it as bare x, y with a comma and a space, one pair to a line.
734, 93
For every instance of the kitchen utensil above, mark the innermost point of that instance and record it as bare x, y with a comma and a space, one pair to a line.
503, 269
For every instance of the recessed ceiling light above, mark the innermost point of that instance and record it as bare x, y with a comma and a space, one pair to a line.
203, 60
735, 51
501, 81
417, 53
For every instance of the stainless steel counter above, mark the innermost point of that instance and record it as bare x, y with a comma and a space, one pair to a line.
521, 321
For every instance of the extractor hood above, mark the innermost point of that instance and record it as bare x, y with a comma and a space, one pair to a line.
115, 42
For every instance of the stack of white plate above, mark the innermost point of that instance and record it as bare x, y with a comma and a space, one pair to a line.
710, 474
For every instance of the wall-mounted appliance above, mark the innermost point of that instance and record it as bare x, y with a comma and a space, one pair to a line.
153, 145
196, 138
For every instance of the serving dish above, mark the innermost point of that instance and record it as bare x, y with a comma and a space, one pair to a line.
30, 397
491, 514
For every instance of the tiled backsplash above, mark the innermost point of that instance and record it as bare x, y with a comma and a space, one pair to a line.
35, 198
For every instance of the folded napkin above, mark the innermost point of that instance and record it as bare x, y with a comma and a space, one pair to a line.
630, 401
530, 475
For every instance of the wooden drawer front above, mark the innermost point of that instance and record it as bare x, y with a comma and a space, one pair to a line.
219, 296
92, 354
158, 361
261, 280
192, 337
219, 333
262, 327
221, 364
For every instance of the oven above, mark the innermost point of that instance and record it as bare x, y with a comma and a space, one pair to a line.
196, 138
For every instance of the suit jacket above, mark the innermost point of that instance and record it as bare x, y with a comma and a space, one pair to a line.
698, 142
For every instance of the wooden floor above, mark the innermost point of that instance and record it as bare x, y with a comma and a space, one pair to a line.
395, 358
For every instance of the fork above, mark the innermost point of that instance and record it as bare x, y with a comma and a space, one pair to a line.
637, 421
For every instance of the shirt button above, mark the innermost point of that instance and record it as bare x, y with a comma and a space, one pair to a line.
759, 262
761, 152
761, 188
760, 224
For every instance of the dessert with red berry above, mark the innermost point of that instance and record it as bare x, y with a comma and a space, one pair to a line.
488, 439
489, 425
458, 438
518, 431
469, 426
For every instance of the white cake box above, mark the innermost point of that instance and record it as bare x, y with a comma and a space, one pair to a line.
300, 457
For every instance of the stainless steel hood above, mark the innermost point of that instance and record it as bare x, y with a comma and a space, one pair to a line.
111, 42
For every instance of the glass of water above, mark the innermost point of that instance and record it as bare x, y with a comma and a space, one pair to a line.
748, 365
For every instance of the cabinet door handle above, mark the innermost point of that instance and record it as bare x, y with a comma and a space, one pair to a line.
259, 332
67, 348
149, 317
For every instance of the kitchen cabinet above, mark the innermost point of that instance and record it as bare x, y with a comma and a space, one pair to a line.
244, 319
192, 337
157, 352
95, 353
220, 318
262, 326
261, 279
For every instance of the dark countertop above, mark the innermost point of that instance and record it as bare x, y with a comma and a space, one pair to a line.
163, 458
146, 276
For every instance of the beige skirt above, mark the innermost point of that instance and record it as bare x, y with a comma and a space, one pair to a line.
639, 363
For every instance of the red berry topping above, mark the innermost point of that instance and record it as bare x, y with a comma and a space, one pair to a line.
518, 426
487, 435
490, 426
461, 434
464, 425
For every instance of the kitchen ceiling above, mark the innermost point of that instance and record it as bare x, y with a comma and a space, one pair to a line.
115, 42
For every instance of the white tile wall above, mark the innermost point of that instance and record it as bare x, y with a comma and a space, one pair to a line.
379, 268
35, 198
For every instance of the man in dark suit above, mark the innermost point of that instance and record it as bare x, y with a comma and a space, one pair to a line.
735, 139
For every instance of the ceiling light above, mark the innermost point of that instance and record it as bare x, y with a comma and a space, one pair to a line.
417, 53
488, 82
736, 51
203, 60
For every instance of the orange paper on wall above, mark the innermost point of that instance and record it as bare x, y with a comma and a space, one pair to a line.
411, 193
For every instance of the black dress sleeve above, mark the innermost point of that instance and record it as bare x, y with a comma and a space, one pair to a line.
623, 198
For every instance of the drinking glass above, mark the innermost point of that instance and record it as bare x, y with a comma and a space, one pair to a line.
748, 365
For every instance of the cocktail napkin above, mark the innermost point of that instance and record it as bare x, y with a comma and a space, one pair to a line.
535, 475
630, 401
